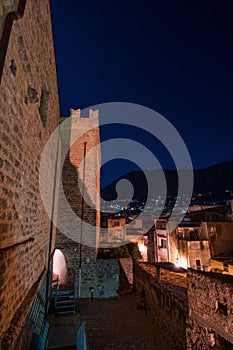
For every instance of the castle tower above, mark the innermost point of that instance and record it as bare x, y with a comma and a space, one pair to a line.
78, 240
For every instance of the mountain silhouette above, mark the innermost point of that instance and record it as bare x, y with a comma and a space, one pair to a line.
216, 178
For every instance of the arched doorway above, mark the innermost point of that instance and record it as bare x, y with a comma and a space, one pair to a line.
59, 266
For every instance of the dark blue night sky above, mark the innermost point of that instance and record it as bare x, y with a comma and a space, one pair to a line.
175, 57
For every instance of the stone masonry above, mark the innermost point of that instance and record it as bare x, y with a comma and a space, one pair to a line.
210, 323
75, 131
107, 278
29, 112
192, 309
165, 298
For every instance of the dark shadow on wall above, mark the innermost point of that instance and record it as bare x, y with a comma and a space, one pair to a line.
73, 192
73, 186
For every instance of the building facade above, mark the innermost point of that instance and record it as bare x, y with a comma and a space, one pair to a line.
189, 246
203, 234
29, 113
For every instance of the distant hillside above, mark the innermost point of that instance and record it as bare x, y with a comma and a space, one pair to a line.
216, 178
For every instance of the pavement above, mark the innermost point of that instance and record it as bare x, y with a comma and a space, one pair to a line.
62, 331
111, 324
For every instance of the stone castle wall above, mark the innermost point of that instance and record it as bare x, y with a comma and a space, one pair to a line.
201, 318
76, 131
107, 278
167, 309
29, 112
210, 323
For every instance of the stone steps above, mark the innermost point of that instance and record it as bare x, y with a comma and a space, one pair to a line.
64, 302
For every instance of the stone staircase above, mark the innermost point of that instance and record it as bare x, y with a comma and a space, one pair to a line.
64, 302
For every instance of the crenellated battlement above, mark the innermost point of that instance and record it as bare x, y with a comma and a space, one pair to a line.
93, 113
74, 126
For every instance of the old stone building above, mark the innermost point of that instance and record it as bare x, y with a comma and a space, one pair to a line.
204, 233
190, 247
29, 112
197, 312
79, 221
115, 233
134, 230
161, 243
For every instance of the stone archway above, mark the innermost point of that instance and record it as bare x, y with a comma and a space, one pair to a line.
59, 266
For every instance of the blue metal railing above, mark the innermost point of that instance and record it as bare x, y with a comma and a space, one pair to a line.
40, 341
81, 339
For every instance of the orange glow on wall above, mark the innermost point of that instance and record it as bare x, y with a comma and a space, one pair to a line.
143, 249
181, 262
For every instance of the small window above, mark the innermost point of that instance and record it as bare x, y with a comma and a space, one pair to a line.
198, 264
161, 225
163, 243
116, 223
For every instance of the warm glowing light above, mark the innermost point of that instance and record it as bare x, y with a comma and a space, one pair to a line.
181, 262
143, 249
59, 266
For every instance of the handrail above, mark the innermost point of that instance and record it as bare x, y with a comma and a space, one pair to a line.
81, 337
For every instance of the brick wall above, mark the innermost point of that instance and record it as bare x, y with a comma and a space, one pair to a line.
29, 112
